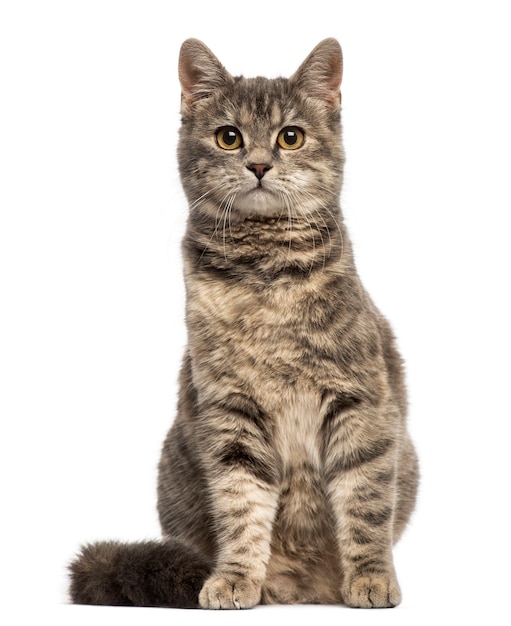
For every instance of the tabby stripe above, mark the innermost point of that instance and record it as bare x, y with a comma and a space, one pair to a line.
236, 454
359, 456
385, 478
364, 496
243, 512
360, 537
340, 404
369, 564
235, 568
247, 409
373, 518
372, 567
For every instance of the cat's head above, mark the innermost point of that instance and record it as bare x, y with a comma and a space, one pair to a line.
258, 147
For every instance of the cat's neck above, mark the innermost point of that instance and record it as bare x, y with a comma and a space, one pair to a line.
268, 247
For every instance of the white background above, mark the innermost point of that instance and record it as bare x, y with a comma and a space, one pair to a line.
91, 310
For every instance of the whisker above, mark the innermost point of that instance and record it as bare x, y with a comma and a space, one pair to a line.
320, 209
203, 197
222, 209
227, 218
287, 204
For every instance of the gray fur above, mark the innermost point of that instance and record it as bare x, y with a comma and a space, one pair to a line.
288, 468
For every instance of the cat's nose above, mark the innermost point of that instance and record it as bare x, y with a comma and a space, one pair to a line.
259, 169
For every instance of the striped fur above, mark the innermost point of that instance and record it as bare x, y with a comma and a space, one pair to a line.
288, 469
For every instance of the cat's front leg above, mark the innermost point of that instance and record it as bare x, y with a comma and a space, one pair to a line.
361, 458
242, 479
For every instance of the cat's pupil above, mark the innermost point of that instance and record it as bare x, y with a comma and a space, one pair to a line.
290, 137
229, 137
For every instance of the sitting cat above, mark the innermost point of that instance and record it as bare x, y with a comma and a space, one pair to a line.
288, 473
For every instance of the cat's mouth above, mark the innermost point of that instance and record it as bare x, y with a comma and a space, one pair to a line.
258, 199
258, 189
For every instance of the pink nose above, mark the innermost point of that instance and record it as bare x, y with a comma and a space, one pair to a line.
259, 169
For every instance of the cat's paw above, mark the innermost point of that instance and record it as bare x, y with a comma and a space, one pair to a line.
222, 591
372, 591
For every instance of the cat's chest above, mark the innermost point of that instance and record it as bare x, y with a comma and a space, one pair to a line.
259, 343
264, 339
269, 326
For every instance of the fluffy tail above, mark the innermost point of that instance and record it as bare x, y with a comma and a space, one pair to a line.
153, 573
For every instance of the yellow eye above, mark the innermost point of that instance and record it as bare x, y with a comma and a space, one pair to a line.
291, 138
229, 138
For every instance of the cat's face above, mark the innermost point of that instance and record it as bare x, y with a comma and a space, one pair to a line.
260, 147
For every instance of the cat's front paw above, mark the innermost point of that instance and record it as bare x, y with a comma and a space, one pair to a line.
372, 591
222, 591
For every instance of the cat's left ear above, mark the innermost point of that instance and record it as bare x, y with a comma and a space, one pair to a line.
200, 73
320, 75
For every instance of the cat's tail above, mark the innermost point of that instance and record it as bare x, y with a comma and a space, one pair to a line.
151, 573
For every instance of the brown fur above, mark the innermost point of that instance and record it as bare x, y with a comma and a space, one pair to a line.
288, 469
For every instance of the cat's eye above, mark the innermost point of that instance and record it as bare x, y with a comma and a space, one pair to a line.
229, 138
291, 138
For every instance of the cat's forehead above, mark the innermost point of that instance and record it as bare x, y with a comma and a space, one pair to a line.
259, 100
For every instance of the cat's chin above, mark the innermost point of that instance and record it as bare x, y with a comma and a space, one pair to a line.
259, 202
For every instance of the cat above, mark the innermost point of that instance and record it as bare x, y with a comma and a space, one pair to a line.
288, 473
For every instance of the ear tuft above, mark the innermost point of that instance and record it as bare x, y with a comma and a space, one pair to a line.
320, 75
200, 72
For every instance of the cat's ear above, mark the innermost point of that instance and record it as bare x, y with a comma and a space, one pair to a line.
320, 74
200, 72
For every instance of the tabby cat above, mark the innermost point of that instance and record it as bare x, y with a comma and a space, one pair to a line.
288, 473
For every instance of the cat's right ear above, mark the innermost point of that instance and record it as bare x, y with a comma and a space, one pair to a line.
200, 73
